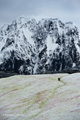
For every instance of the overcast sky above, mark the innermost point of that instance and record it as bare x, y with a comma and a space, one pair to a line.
65, 10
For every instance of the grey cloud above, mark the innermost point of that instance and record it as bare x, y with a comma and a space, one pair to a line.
63, 9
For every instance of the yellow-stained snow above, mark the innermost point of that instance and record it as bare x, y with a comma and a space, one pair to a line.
40, 97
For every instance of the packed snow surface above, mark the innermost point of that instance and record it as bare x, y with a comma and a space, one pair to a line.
40, 97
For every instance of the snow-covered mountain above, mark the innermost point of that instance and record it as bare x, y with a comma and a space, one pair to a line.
31, 47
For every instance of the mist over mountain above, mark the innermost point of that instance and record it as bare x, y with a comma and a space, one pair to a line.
46, 46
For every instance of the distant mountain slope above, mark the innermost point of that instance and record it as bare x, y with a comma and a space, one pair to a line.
31, 47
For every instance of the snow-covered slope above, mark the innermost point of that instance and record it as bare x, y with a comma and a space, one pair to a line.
40, 97
47, 46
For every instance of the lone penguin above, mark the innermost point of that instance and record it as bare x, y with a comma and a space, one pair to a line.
58, 79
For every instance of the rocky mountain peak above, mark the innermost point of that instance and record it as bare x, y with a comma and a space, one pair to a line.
46, 46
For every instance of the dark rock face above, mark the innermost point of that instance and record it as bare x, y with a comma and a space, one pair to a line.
49, 46
4, 74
